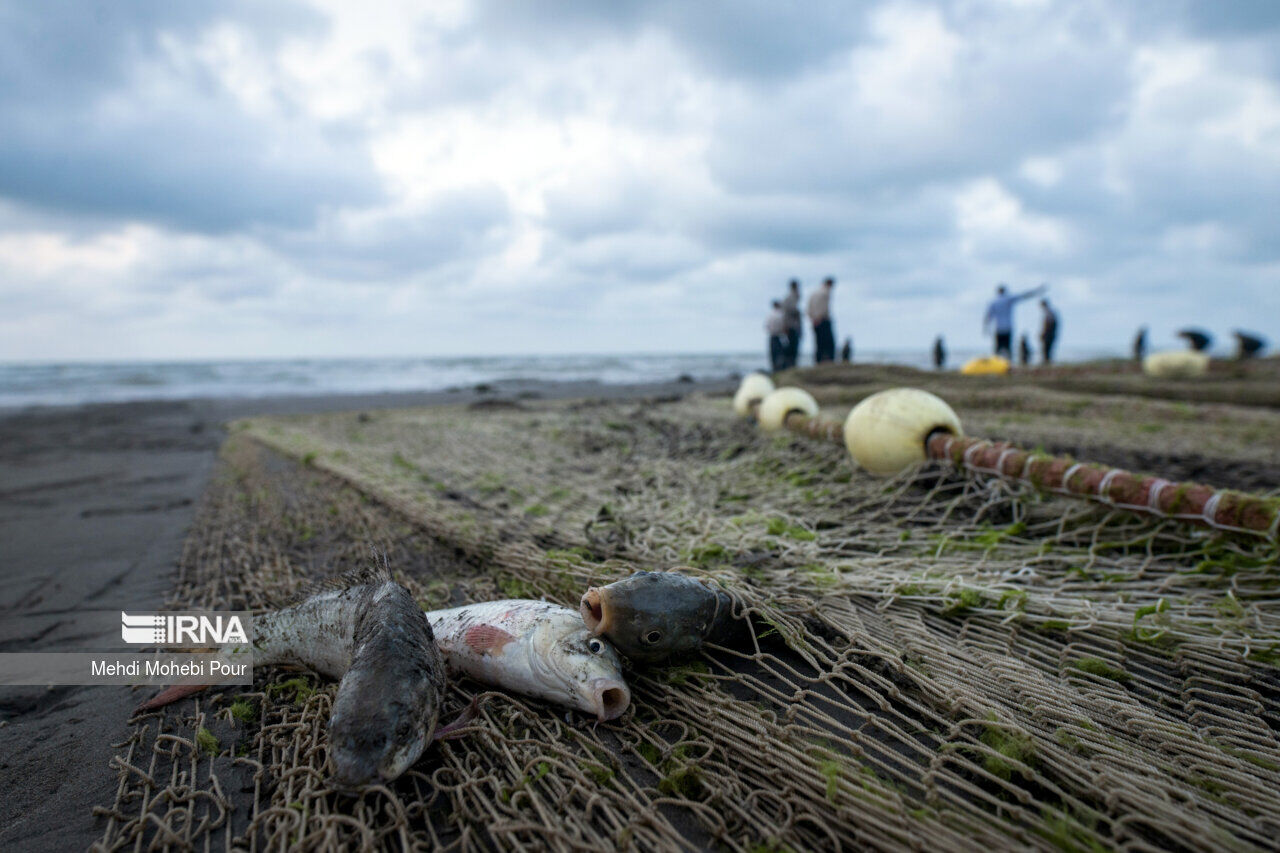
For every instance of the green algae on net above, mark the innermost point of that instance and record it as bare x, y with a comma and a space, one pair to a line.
891, 691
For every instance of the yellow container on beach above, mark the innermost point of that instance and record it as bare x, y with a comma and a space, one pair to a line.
987, 365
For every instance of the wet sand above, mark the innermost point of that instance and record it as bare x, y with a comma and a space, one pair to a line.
95, 502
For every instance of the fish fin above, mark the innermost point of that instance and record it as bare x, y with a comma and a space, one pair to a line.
381, 568
363, 576
169, 695
486, 639
454, 729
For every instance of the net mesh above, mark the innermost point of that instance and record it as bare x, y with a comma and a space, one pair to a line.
933, 662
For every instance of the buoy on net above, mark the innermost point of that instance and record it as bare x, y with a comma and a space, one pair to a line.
987, 365
1176, 364
886, 432
775, 407
752, 390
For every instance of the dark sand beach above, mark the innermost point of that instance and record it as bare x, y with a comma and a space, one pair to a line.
95, 502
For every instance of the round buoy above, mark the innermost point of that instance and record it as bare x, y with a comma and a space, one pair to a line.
752, 390
1177, 364
987, 365
775, 407
886, 432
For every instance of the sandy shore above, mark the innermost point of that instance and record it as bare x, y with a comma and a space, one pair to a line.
95, 502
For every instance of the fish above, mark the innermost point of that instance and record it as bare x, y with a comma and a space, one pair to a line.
651, 616
366, 631
535, 648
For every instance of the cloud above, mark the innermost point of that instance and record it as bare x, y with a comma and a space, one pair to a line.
752, 39
204, 179
993, 221
1231, 17
130, 112
388, 244
926, 99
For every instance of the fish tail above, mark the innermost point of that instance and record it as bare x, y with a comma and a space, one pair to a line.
170, 695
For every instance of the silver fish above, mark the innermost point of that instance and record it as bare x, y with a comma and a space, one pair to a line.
366, 630
535, 648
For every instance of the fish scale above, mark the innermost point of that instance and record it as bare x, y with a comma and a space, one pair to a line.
317, 633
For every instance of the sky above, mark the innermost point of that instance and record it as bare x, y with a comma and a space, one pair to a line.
241, 180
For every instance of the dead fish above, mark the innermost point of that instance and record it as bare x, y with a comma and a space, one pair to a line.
655, 615
535, 648
366, 630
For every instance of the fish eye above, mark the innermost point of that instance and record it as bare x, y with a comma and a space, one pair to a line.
653, 637
595, 646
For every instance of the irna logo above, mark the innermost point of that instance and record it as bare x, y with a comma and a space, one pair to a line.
175, 629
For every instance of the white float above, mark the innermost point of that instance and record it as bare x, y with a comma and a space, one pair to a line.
886, 432
775, 407
753, 388
1176, 364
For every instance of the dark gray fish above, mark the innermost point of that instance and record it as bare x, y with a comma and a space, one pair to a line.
388, 701
366, 630
655, 615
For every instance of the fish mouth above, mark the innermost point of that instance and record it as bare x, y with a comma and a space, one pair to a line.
352, 772
595, 610
609, 698
349, 782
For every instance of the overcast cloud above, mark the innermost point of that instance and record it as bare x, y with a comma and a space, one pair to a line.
183, 180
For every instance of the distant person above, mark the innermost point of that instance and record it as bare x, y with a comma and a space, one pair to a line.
1140, 344
1247, 345
1199, 339
1048, 331
791, 308
939, 353
1000, 315
846, 351
1024, 351
776, 326
824, 347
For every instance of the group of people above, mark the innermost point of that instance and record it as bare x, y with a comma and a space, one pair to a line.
786, 323
1248, 345
785, 326
999, 317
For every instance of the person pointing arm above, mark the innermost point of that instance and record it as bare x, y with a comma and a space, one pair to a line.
1035, 291
1000, 313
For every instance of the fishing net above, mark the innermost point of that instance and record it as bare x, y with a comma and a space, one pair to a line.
931, 662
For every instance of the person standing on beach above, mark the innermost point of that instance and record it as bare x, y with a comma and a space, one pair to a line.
1140, 344
1024, 351
1000, 314
1048, 332
776, 326
846, 351
791, 308
939, 353
824, 335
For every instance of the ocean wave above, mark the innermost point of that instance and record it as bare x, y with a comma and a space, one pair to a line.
84, 382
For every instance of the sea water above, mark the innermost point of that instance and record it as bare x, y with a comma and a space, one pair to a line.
25, 384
